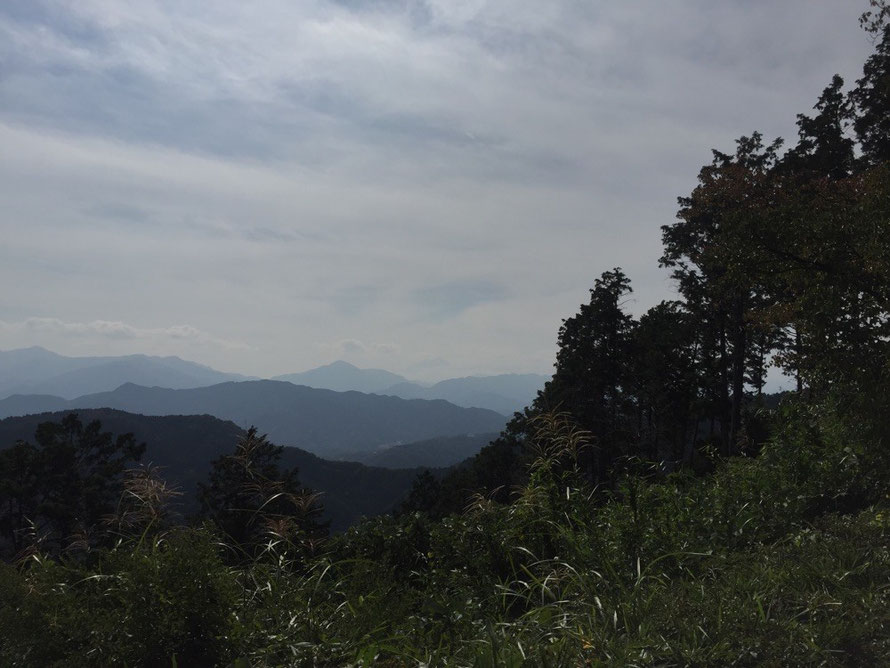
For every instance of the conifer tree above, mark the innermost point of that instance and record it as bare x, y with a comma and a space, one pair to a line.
253, 501
63, 486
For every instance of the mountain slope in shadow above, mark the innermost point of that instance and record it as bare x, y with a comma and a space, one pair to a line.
324, 422
183, 446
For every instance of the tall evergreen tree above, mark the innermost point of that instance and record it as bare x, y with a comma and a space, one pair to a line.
872, 93
593, 370
253, 501
666, 379
716, 265
63, 486
824, 149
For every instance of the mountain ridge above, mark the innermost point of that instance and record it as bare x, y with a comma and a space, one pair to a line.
503, 393
36, 370
324, 422
342, 376
184, 446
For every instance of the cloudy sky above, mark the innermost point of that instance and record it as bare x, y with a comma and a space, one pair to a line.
427, 186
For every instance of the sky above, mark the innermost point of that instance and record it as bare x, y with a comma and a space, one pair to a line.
426, 186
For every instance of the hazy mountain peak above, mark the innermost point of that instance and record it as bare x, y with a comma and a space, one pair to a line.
342, 376
36, 370
341, 364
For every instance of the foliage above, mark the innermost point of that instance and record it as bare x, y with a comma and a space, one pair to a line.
647, 509
58, 490
141, 604
778, 559
255, 504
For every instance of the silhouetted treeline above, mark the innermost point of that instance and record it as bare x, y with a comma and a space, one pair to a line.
779, 259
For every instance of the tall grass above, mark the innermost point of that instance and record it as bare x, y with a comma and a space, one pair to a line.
781, 559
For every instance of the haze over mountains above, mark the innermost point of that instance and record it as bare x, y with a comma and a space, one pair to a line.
337, 411
441, 452
342, 376
505, 393
322, 421
37, 371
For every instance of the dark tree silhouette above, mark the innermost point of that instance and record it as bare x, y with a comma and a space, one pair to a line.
254, 502
62, 487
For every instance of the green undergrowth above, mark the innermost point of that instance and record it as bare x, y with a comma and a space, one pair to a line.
776, 560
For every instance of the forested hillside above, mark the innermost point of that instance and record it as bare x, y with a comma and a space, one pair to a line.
439, 452
182, 448
650, 507
324, 422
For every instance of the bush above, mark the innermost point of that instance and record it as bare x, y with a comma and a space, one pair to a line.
138, 605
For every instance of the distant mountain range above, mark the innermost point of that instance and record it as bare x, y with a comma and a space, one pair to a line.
505, 393
342, 376
183, 446
37, 371
40, 371
322, 421
375, 428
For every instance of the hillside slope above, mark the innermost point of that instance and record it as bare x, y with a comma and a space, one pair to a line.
439, 452
183, 446
324, 422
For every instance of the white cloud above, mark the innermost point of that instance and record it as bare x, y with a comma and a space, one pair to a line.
445, 176
54, 328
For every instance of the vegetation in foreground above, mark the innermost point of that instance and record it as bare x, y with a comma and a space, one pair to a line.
783, 559
647, 509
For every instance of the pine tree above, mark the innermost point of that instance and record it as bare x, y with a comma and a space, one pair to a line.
253, 502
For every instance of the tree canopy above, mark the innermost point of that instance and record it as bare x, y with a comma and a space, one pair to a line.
57, 491
253, 502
